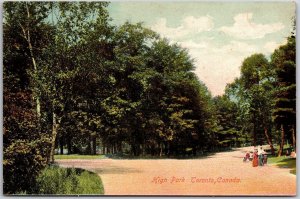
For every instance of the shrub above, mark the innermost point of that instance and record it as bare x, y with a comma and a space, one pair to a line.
22, 163
24, 146
68, 181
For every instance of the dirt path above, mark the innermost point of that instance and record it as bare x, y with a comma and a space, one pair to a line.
219, 174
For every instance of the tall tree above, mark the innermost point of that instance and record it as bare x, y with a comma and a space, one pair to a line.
27, 20
228, 134
25, 143
284, 113
69, 57
256, 84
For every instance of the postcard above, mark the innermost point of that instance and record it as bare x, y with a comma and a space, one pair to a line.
149, 98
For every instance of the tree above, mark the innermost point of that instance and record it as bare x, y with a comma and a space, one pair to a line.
177, 96
228, 133
284, 113
39, 59
256, 84
24, 141
27, 20
70, 78
67, 56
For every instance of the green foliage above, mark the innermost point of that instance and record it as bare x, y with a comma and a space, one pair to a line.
284, 112
252, 93
24, 148
25, 145
33, 52
228, 132
266, 95
71, 78
284, 162
285, 102
69, 181
78, 156
88, 80
22, 162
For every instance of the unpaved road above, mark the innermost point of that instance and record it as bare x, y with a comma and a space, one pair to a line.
220, 174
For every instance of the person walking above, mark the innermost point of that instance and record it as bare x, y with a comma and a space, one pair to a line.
247, 157
261, 156
265, 158
255, 159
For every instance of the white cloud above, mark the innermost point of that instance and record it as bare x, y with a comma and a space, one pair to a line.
270, 46
236, 47
189, 25
193, 45
245, 28
218, 65
194, 24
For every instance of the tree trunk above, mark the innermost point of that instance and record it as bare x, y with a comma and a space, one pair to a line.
69, 146
254, 129
294, 138
27, 37
254, 136
116, 147
37, 97
282, 141
55, 125
168, 149
89, 146
143, 149
161, 150
269, 141
120, 148
94, 145
61, 143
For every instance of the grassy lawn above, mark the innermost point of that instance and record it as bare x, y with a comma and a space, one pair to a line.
77, 156
284, 162
68, 181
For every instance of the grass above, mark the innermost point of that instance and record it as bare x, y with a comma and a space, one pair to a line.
128, 156
77, 156
155, 157
285, 147
54, 180
284, 162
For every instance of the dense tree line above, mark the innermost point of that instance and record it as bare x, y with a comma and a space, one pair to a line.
265, 95
72, 80
259, 107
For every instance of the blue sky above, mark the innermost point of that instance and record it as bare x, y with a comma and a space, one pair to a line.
218, 35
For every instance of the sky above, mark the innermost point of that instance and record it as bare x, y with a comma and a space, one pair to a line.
217, 35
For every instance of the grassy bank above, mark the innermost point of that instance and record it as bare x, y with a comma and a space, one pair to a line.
284, 162
68, 181
77, 156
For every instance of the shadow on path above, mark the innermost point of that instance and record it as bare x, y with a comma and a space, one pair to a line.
116, 170
186, 157
288, 163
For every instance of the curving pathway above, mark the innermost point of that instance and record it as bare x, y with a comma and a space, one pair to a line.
220, 174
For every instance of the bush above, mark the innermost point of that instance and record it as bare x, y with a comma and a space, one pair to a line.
69, 181
22, 162
24, 145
